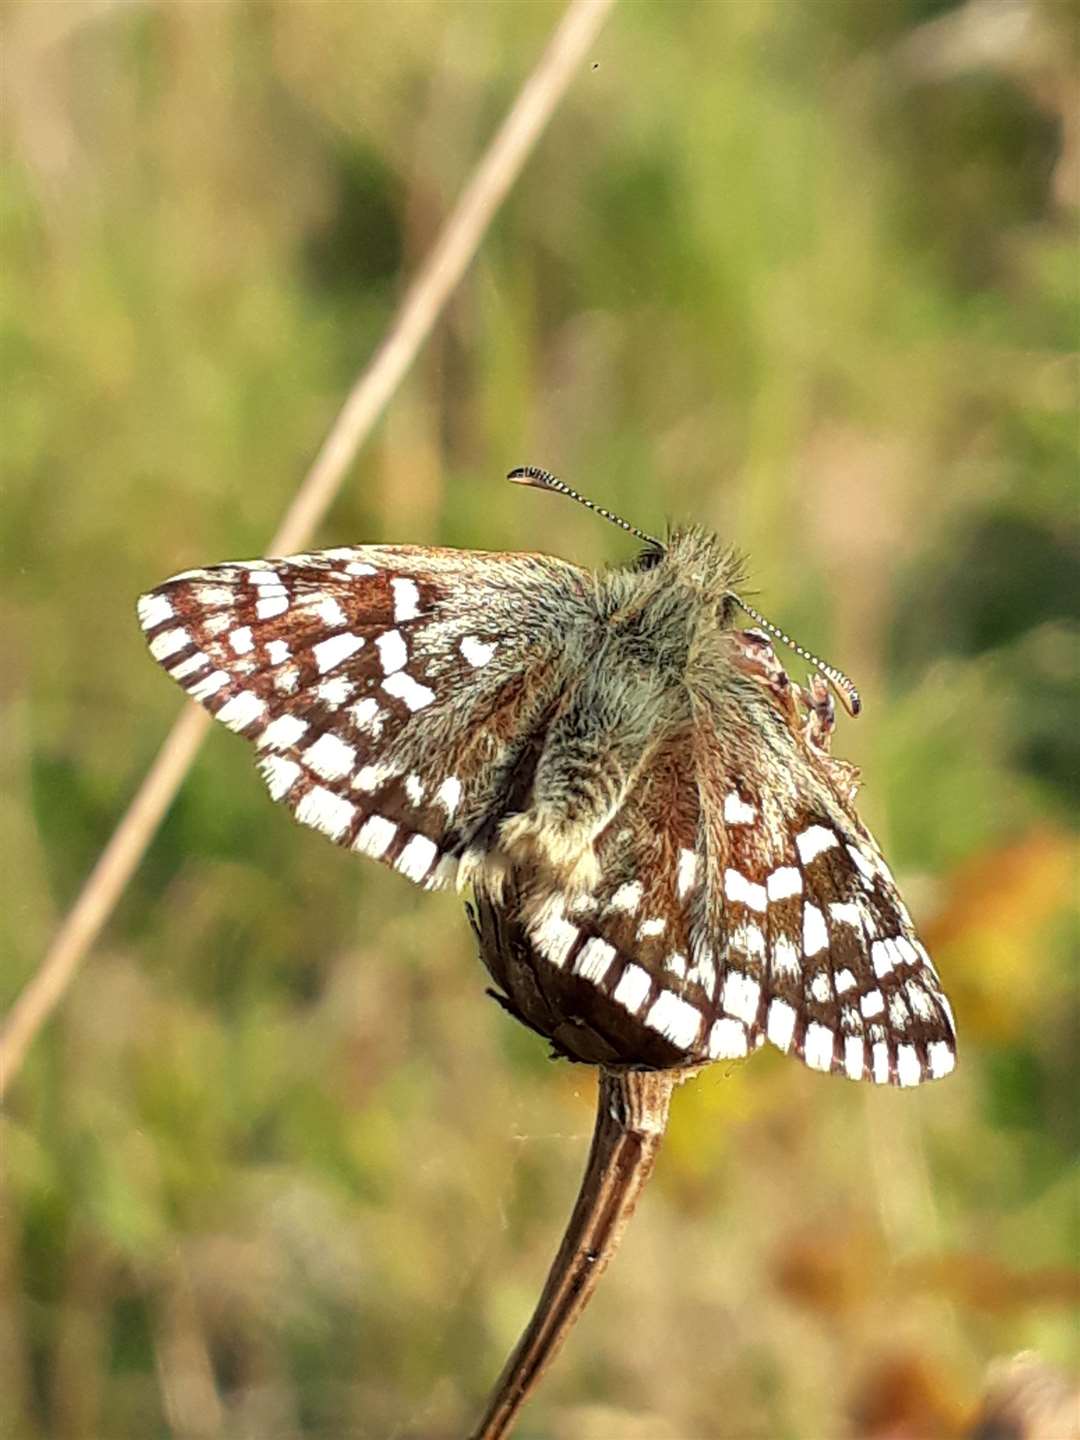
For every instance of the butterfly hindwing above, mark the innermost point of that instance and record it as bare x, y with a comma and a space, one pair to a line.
630, 939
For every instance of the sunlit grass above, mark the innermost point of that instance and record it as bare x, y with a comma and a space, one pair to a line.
759, 274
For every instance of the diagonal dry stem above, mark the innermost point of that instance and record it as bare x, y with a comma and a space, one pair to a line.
420, 308
631, 1116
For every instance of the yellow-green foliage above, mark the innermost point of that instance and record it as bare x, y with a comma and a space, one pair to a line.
802, 272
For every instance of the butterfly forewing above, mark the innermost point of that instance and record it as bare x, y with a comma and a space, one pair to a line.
849, 986
385, 704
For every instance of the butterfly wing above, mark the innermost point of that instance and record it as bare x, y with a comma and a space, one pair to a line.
742, 900
617, 970
821, 956
389, 690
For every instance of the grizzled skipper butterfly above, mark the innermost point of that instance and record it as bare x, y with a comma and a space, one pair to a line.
667, 863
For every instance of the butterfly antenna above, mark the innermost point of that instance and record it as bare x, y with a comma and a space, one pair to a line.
849, 696
544, 480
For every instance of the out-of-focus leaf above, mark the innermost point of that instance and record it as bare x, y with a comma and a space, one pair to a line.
989, 932
908, 1397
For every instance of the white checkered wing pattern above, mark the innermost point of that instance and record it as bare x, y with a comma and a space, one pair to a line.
388, 690
730, 914
822, 958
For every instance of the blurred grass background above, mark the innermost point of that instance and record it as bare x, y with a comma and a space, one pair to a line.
807, 273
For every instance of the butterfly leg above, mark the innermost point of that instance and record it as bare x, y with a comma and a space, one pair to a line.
817, 732
753, 655
820, 719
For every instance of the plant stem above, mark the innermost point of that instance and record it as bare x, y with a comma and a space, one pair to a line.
420, 308
631, 1116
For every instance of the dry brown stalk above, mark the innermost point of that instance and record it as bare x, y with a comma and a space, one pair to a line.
631, 1117
420, 308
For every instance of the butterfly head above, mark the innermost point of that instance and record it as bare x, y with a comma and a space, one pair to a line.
705, 569
698, 564
690, 558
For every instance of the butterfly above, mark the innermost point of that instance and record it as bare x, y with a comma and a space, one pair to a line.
666, 861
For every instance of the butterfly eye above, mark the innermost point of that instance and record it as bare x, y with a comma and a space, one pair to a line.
650, 558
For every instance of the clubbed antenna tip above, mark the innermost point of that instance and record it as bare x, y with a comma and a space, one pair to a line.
534, 476
539, 479
845, 688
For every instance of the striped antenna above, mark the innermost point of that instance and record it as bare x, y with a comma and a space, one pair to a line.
544, 480
541, 479
849, 696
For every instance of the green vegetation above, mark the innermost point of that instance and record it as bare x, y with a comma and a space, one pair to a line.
805, 272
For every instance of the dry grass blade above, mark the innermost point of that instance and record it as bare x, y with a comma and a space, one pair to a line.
421, 306
631, 1117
